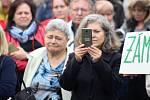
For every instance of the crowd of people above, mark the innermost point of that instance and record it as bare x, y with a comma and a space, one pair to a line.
41, 44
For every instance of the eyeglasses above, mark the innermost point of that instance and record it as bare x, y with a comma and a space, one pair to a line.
80, 9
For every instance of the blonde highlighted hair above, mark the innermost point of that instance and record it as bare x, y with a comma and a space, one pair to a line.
3, 43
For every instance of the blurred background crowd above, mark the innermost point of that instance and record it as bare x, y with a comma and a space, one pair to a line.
28, 25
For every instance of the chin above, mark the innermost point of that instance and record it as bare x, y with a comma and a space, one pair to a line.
53, 51
96, 45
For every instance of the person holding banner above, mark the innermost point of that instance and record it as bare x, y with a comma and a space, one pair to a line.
139, 20
88, 74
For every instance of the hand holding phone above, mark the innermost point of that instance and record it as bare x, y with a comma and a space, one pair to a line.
87, 37
12, 48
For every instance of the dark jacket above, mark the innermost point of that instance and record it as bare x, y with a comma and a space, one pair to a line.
8, 78
91, 81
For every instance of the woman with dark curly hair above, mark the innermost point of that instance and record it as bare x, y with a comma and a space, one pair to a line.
23, 32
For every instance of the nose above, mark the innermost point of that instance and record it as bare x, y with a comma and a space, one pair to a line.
93, 35
59, 8
23, 14
79, 12
53, 40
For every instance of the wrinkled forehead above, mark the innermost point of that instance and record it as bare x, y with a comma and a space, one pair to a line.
56, 32
80, 4
6, 1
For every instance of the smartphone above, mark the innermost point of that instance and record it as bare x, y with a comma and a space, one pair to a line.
12, 48
87, 37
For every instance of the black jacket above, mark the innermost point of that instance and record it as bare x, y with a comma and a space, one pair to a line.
8, 78
91, 81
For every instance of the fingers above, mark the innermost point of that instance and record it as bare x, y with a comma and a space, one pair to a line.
13, 54
80, 51
94, 52
20, 54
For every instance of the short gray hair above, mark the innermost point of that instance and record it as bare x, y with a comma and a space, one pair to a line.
111, 42
58, 24
90, 2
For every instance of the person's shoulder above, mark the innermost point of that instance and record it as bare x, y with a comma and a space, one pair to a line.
69, 23
38, 51
147, 24
71, 55
111, 56
117, 54
42, 25
3, 24
7, 59
46, 21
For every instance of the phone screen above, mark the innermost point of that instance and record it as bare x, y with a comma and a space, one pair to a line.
87, 37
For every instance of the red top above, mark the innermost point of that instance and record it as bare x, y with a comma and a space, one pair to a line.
3, 24
21, 64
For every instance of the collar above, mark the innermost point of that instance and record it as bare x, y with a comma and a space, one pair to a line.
74, 27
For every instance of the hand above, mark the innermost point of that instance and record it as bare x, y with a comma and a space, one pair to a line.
79, 52
95, 53
20, 54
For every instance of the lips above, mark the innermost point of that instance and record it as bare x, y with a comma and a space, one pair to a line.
23, 21
94, 40
50, 45
79, 18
